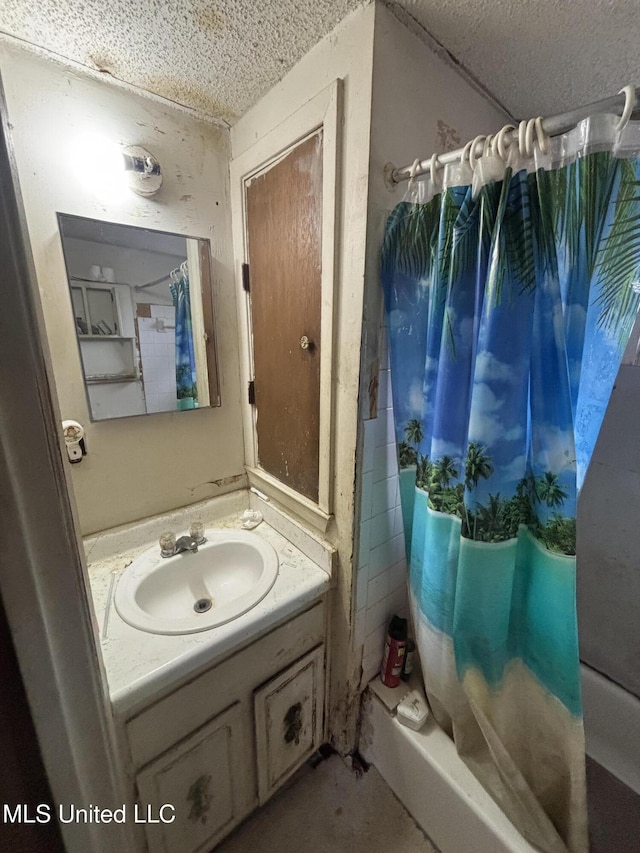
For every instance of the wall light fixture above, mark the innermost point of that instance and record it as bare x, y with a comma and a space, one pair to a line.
144, 175
109, 170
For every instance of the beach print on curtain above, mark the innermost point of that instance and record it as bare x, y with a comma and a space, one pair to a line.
509, 303
186, 386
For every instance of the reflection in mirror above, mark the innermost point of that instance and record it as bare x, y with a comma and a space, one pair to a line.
143, 314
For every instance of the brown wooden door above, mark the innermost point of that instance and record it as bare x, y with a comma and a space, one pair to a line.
284, 228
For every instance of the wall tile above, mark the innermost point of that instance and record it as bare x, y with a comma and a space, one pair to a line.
168, 401
398, 576
383, 495
367, 495
370, 668
397, 549
385, 462
369, 445
377, 616
362, 583
389, 400
385, 429
365, 540
374, 644
398, 602
377, 589
382, 528
381, 584
398, 521
383, 390
364, 551
380, 558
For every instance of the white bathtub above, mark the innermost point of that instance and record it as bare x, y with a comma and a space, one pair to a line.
612, 727
426, 774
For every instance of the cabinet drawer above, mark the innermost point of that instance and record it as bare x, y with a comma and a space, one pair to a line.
170, 719
289, 718
201, 778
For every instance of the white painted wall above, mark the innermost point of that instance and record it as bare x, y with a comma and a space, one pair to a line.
346, 53
144, 465
413, 89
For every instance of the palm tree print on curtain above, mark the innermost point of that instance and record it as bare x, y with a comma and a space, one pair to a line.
508, 311
186, 385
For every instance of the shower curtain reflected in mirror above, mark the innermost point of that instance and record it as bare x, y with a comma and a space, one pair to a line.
511, 291
186, 385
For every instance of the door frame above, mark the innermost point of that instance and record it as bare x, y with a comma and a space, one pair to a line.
44, 586
323, 111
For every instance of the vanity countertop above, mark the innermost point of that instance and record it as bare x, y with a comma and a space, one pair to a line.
139, 665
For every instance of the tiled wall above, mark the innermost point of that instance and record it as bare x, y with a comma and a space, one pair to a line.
158, 356
381, 587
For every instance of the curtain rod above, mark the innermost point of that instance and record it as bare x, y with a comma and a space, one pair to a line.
151, 283
162, 278
552, 126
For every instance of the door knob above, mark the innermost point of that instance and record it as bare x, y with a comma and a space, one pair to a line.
305, 343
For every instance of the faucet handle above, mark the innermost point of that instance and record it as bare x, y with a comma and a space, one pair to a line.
196, 531
168, 544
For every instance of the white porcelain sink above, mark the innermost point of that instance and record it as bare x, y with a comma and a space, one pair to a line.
230, 573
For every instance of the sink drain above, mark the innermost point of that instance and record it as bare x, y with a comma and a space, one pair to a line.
202, 605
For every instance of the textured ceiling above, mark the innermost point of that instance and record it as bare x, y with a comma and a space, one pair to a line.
219, 56
539, 57
215, 56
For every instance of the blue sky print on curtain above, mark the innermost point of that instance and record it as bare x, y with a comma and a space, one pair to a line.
508, 314
186, 385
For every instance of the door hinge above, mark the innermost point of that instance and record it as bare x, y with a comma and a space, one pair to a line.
252, 393
245, 278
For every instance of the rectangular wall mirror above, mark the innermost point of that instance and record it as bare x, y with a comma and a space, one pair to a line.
142, 306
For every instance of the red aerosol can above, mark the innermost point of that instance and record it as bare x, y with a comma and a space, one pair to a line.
394, 651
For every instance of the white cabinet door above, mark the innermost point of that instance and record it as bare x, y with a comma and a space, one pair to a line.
289, 717
202, 777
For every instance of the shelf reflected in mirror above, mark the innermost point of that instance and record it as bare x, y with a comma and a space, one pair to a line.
142, 304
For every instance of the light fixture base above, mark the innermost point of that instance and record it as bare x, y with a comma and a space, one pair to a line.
144, 175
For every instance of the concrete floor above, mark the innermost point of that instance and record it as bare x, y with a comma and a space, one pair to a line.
330, 810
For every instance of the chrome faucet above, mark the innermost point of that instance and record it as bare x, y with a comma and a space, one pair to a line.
185, 543
170, 546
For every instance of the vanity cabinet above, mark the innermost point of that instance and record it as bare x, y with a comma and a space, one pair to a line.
198, 779
224, 742
288, 717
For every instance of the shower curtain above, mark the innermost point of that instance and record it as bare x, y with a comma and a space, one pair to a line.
511, 292
186, 387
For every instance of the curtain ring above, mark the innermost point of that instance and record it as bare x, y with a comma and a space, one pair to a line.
528, 141
522, 130
413, 170
500, 142
466, 152
543, 139
472, 151
433, 165
488, 142
629, 106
